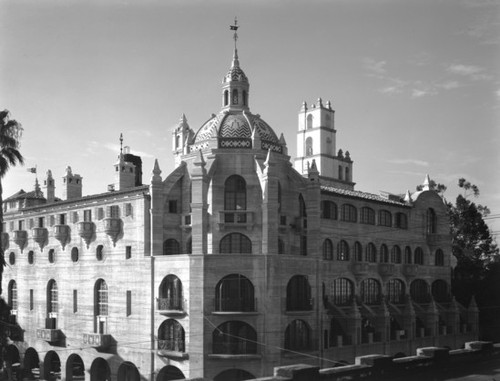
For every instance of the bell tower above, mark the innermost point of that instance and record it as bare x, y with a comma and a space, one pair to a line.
317, 141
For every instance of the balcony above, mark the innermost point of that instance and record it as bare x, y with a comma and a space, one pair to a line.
235, 306
48, 334
235, 219
97, 340
170, 306
5, 241
410, 270
61, 233
172, 348
39, 235
360, 268
112, 227
20, 237
85, 230
386, 269
298, 306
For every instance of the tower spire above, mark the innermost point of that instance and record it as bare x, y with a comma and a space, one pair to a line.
121, 144
235, 38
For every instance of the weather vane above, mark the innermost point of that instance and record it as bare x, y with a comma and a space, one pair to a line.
235, 28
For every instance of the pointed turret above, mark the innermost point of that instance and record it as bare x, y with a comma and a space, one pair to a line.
427, 183
156, 178
49, 186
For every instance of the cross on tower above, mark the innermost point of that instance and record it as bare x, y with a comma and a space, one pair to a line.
235, 28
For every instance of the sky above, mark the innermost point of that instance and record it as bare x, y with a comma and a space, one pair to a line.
415, 84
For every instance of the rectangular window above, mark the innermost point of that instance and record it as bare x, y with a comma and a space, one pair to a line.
41, 222
129, 302
62, 219
172, 206
52, 220
31, 223
74, 217
31, 300
100, 213
128, 209
113, 211
87, 215
75, 301
283, 220
20, 225
128, 252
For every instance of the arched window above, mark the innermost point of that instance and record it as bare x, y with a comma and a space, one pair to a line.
226, 98
328, 210
309, 146
31, 257
419, 291
171, 246
431, 221
440, 291
349, 213
302, 207
234, 338
358, 251
298, 294
235, 243
367, 216
297, 335
396, 254
327, 250
189, 245
99, 253
385, 218
234, 293
12, 258
396, 291
408, 255
342, 291
371, 253
52, 256
12, 297
235, 198
52, 305
171, 336
303, 222
370, 291
419, 256
384, 253
101, 298
281, 246
309, 121
245, 100
170, 294
439, 258
235, 97
340, 172
74, 254
401, 221
343, 251
347, 174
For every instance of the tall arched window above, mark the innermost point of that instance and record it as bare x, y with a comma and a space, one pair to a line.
408, 255
347, 174
281, 246
234, 292
189, 246
419, 291
384, 253
298, 294
396, 254
401, 221
171, 246
419, 256
12, 297
52, 305
327, 250
279, 197
235, 97
309, 146
340, 172
235, 243
328, 210
431, 221
343, 251
245, 100
396, 291
303, 222
297, 335
367, 216
171, 336
170, 294
358, 251
370, 291
439, 291
371, 253
309, 121
101, 289
385, 218
234, 338
349, 213
342, 291
235, 198
226, 98
439, 258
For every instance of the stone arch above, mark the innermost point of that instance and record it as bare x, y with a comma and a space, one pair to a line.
51, 366
127, 371
99, 370
75, 369
234, 375
170, 372
31, 361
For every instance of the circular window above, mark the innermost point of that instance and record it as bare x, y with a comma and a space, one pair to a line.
52, 256
31, 257
12, 258
99, 254
74, 254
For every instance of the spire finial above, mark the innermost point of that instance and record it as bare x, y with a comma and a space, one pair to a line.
235, 38
121, 144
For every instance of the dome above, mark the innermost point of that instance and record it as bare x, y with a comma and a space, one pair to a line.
235, 74
236, 130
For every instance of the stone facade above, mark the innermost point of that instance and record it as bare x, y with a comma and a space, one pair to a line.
233, 264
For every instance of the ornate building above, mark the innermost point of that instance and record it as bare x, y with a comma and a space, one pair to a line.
234, 263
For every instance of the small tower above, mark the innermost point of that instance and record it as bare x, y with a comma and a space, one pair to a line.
181, 135
72, 185
316, 139
49, 187
124, 170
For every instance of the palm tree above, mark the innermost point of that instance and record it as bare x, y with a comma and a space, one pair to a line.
10, 135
